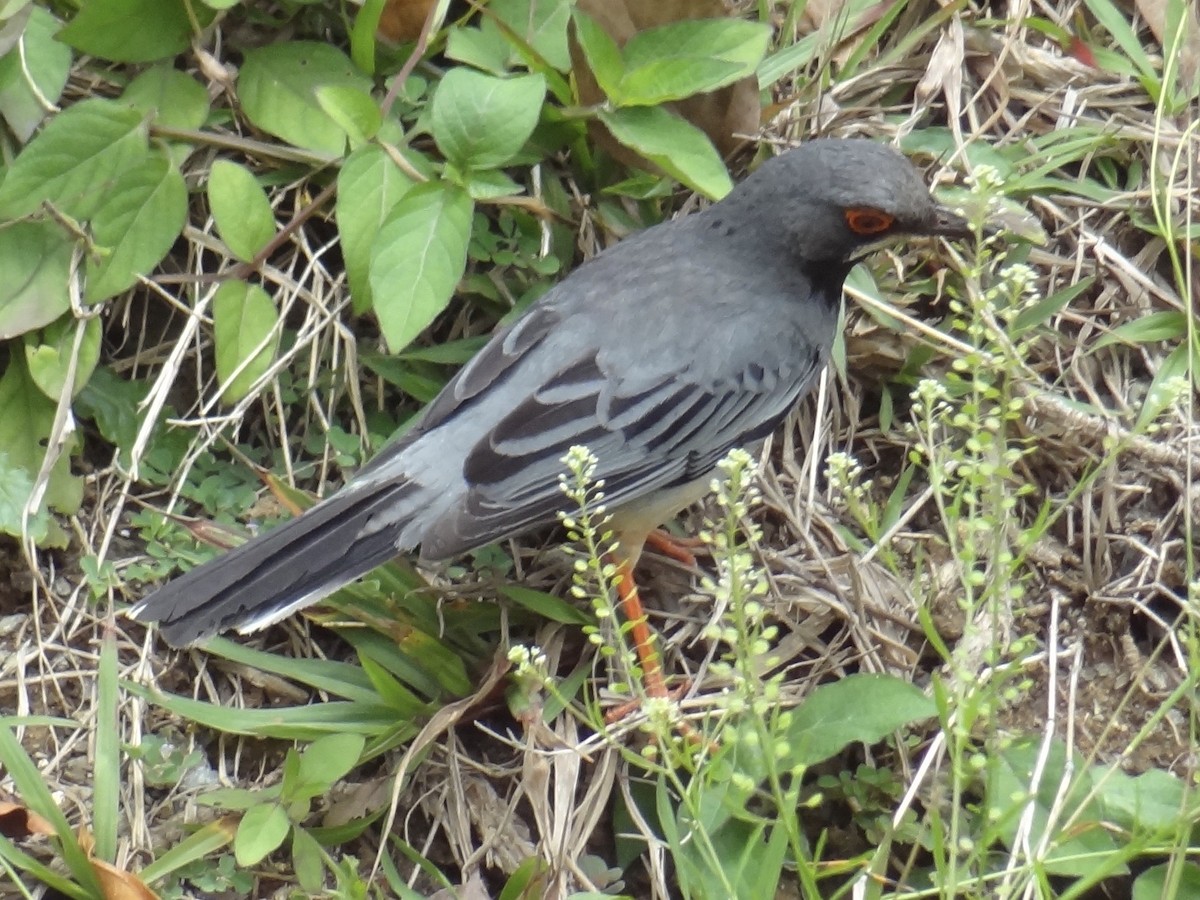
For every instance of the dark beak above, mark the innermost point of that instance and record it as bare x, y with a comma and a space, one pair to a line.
948, 224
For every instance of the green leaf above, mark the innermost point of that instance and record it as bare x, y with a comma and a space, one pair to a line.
475, 47
1012, 786
307, 862
685, 58
49, 357
28, 417
601, 51
244, 336
418, 258
369, 186
329, 758
278, 88
45, 62
546, 605
112, 402
136, 224
262, 830
489, 184
857, 709
540, 25
481, 122
353, 110
1156, 883
132, 30
35, 258
678, 148
1170, 325
173, 98
75, 161
240, 208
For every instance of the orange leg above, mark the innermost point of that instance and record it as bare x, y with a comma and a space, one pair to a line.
678, 549
639, 628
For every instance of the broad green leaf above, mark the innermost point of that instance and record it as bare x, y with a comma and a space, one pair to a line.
75, 161
1012, 786
686, 58
133, 30
857, 709
601, 51
480, 121
35, 258
49, 357
240, 208
353, 110
45, 62
1160, 882
28, 417
678, 148
1154, 801
136, 224
278, 88
112, 402
668, 79
418, 258
541, 25
475, 47
368, 187
307, 861
171, 97
16, 484
244, 336
262, 830
329, 758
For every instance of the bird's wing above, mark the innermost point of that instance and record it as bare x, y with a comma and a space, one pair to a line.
667, 431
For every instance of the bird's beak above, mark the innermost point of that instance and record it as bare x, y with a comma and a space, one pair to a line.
949, 224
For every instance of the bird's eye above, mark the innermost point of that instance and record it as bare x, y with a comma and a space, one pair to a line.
868, 222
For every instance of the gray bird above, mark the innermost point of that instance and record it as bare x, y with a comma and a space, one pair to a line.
659, 355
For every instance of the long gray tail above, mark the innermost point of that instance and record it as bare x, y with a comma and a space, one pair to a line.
299, 562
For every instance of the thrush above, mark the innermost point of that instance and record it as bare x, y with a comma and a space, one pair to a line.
659, 355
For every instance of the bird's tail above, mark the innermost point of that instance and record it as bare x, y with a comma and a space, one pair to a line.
299, 562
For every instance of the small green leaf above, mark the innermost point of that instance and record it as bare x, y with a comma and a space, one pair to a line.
173, 98
489, 184
136, 224
244, 336
601, 51
49, 357
481, 122
418, 258
329, 758
75, 161
133, 30
278, 88
36, 260
45, 62
307, 862
353, 110
486, 50
368, 187
240, 208
262, 830
678, 148
857, 709
28, 417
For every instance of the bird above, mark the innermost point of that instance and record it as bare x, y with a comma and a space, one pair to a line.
659, 355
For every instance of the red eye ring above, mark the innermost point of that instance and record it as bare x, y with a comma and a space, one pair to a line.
867, 222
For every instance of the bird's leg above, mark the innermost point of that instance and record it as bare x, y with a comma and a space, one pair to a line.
680, 549
639, 628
